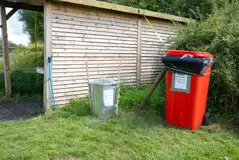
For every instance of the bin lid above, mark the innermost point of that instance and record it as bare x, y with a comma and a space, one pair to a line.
103, 82
193, 53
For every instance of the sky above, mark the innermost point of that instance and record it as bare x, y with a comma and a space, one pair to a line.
15, 27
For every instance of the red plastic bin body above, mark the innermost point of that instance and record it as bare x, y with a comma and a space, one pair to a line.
186, 110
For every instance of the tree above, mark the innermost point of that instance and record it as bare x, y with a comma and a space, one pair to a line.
33, 24
10, 44
196, 9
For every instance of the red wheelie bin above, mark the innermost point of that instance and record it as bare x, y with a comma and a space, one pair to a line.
187, 81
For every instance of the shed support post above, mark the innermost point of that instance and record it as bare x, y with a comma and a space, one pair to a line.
138, 68
47, 53
7, 77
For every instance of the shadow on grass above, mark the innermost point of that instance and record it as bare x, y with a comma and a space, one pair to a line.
129, 116
152, 114
133, 118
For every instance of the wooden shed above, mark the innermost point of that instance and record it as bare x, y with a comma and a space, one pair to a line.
89, 39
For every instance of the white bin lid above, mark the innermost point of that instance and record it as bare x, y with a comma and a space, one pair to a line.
103, 82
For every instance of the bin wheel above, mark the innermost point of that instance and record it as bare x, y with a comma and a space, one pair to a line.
206, 118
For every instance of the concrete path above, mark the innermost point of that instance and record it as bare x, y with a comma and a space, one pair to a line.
20, 111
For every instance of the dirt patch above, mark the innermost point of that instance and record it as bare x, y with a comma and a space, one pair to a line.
68, 158
216, 127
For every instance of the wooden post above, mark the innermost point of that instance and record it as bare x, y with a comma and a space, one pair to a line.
154, 86
7, 77
138, 74
47, 53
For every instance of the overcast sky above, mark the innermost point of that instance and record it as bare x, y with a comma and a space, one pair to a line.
15, 33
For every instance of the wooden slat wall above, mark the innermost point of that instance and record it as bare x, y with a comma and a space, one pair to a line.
89, 43
104, 41
152, 49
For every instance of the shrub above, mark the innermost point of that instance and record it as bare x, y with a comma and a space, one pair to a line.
1, 65
24, 82
30, 57
219, 35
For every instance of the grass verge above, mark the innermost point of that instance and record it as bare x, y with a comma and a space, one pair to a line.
71, 133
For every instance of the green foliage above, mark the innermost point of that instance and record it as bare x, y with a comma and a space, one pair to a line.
1, 65
31, 56
74, 109
27, 57
10, 45
33, 24
130, 98
219, 35
196, 9
24, 82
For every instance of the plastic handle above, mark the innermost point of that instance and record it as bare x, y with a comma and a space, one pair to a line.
187, 55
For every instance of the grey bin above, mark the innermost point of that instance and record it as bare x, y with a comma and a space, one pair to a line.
103, 97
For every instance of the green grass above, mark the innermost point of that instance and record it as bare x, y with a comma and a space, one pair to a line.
10, 60
72, 133
1, 65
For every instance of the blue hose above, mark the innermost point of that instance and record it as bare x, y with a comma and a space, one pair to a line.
51, 84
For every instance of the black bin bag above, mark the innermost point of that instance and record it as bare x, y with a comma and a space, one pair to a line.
187, 65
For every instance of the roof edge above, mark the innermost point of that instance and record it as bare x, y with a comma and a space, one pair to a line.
126, 9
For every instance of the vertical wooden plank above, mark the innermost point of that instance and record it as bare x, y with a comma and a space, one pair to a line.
138, 76
7, 77
47, 52
87, 69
